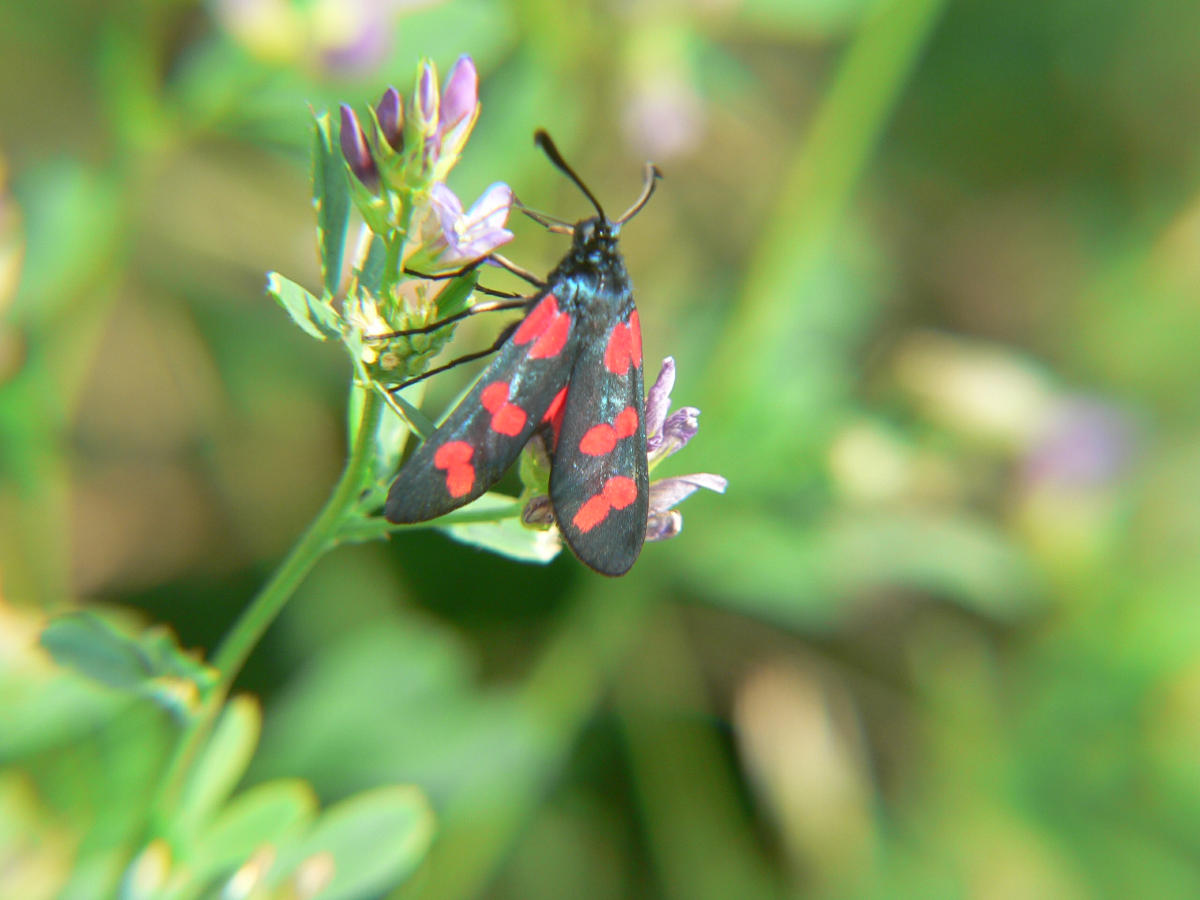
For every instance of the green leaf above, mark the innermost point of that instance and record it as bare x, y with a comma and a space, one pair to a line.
91, 646
390, 437
317, 317
370, 276
504, 534
417, 420
374, 839
151, 664
454, 296
331, 198
221, 764
271, 813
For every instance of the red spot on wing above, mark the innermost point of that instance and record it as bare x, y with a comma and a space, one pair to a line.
452, 453
635, 338
626, 422
617, 350
553, 339
537, 321
601, 439
591, 513
618, 492
546, 327
507, 418
554, 410
598, 440
460, 479
624, 347
455, 457
494, 396
554, 413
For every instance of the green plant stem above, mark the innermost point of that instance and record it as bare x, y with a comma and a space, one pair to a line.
233, 651
266, 606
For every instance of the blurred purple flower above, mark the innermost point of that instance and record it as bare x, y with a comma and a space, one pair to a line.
368, 42
1087, 443
665, 116
467, 236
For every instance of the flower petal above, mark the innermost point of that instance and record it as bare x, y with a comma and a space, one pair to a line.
490, 211
448, 207
658, 401
662, 526
668, 492
679, 428
465, 237
460, 95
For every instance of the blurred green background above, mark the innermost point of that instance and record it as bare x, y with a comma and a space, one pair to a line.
931, 270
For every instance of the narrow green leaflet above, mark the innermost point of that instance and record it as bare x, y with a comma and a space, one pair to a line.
272, 813
454, 296
221, 764
315, 316
331, 198
417, 420
370, 276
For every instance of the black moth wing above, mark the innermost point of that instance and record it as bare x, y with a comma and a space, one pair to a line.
484, 434
598, 512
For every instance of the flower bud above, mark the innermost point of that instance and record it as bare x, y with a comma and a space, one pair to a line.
425, 99
390, 112
460, 96
355, 149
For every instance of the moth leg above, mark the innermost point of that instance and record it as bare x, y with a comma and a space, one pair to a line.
525, 274
443, 276
550, 223
457, 317
454, 363
502, 261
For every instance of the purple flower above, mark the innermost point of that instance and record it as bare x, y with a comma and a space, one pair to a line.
667, 433
664, 521
467, 236
356, 150
445, 123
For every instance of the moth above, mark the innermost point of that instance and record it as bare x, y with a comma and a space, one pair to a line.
570, 369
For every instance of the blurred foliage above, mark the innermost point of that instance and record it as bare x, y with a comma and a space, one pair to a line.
930, 271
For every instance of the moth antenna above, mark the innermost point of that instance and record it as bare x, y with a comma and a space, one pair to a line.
543, 140
649, 181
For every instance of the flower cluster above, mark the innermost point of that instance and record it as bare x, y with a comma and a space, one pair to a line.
399, 163
666, 434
